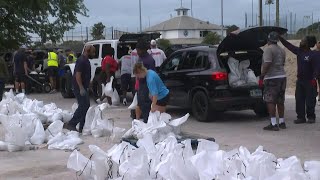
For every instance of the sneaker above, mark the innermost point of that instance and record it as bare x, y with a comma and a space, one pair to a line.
282, 126
300, 121
271, 127
311, 121
124, 102
53, 91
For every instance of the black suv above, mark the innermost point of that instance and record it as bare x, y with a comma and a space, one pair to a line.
198, 77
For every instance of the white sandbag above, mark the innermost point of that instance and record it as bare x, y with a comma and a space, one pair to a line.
312, 169
39, 135
66, 116
9, 95
83, 166
251, 78
179, 121
147, 143
57, 117
88, 121
3, 146
108, 90
99, 157
134, 103
18, 128
101, 127
68, 141
292, 164
54, 129
117, 133
136, 167
207, 146
20, 97
115, 98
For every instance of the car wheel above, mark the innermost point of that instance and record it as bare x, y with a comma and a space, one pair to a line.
261, 110
47, 88
201, 106
66, 85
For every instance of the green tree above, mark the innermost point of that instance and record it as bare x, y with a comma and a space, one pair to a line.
231, 28
211, 38
164, 43
49, 19
97, 31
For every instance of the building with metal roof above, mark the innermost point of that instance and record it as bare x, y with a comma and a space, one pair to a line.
184, 29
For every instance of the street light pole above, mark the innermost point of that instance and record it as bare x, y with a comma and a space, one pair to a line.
140, 16
221, 18
252, 14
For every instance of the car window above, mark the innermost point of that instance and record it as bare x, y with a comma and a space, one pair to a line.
189, 61
105, 48
97, 46
174, 63
202, 61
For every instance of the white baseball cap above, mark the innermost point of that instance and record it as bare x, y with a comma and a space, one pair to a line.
153, 42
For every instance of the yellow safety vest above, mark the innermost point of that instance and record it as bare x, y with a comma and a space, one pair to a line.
52, 59
74, 59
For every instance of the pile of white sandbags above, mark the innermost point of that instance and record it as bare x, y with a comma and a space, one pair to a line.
23, 120
159, 125
171, 160
240, 75
159, 156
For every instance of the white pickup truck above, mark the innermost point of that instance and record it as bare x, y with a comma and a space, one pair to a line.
101, 46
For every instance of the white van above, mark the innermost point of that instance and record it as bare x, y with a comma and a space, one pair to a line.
101, 46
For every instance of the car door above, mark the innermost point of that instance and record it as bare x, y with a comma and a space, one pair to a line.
182, 77
169, 75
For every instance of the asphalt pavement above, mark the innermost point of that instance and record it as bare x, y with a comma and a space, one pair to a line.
231, 130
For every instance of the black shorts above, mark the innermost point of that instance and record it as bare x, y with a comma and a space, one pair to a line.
126, 82
164, 101
20, 78
53, 71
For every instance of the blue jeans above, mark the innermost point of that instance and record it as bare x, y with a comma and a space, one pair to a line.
83, 106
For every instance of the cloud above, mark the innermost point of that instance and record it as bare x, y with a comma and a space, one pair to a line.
124, 14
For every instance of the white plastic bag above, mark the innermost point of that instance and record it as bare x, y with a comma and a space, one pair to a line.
101, 127
134, 103
54, 129
108, 90
83, 166
66, 116
39, 135
117, 133
88, 121
115, 98
99, 157
312, 169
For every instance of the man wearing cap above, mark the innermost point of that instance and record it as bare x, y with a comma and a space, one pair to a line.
157, 54
20, 69
274, 77
306, 86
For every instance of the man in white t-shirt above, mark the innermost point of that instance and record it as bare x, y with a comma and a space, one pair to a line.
157, 54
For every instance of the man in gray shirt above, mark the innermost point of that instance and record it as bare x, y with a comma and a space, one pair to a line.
274, 77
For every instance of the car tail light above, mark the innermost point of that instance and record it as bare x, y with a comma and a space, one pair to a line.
219, 76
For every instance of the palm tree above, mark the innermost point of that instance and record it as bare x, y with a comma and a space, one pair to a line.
269, 2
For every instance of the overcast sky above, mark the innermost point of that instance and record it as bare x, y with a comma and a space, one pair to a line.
124, 14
